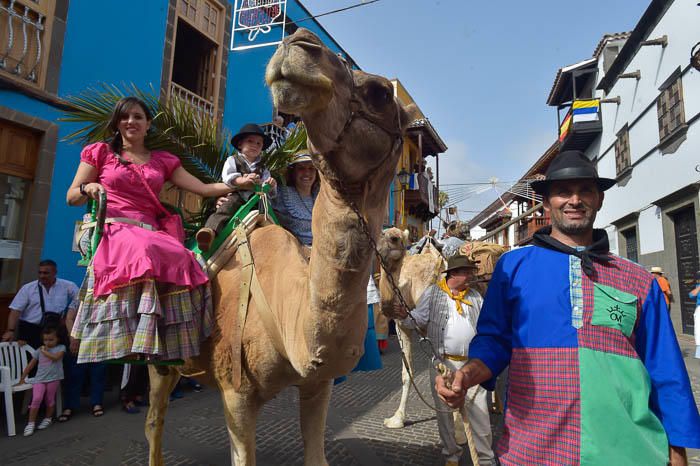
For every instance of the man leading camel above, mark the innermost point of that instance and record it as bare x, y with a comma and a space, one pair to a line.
596, 374
449, 310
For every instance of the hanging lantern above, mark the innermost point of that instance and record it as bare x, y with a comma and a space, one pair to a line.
695, 57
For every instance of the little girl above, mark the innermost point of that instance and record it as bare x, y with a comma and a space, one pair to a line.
47, 380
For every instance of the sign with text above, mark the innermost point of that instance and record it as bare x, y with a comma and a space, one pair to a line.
258, 23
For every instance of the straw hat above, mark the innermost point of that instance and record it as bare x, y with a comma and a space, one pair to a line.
459, 261
657, 269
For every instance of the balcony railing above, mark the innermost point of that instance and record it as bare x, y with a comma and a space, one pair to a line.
581, 125
200, 103
22, 41
278, 134
529, 226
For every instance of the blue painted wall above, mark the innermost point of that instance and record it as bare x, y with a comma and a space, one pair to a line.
114, 42
122, 41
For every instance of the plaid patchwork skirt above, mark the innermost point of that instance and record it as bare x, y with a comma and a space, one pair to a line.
157, 320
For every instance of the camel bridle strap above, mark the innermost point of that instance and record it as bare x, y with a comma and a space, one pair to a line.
356, 112
250, 286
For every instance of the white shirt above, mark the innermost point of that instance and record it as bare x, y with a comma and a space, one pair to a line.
61, 296
459, 331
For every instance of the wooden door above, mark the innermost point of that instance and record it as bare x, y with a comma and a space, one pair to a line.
688, 264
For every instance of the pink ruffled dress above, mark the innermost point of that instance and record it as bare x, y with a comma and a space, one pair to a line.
144, 292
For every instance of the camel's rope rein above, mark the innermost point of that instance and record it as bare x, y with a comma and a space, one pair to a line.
436, 358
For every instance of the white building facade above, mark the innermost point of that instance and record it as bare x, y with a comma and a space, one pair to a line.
650, 143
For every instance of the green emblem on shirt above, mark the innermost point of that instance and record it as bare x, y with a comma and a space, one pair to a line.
614, 308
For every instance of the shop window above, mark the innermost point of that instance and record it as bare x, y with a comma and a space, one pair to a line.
14, 195
18, 152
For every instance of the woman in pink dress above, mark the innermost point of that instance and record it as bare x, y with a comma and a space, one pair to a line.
144, 294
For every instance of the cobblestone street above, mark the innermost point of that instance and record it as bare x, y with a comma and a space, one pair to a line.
196, 434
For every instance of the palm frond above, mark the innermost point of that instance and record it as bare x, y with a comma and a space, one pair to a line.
277, 159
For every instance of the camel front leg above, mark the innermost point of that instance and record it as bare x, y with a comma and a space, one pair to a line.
163, 380
313, 406
241, 410
397, 420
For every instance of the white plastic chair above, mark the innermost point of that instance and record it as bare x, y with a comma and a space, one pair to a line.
13, 360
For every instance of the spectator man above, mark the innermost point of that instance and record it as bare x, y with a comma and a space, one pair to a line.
449, 310
596, 374
663, 284
40, 302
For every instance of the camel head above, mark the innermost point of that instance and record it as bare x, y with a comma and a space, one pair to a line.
392, 245
354, 122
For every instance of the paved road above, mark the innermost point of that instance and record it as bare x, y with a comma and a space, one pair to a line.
195, 432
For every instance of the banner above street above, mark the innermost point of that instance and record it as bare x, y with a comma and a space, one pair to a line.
258, 23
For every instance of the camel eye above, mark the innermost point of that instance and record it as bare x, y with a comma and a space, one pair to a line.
379, 95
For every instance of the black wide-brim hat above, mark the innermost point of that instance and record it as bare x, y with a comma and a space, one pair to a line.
459, 261
571, 165
251, 128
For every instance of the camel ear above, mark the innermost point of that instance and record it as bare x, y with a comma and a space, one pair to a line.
405, 234
409, 113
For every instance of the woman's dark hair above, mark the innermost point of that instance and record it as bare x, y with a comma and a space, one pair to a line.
120, 109
290, 179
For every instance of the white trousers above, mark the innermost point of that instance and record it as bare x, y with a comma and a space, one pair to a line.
696, 325
478, 413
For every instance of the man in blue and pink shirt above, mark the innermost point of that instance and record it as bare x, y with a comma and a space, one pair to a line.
596, 374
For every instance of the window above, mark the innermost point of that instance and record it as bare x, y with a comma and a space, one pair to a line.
18, 156
25, 32
609, 55
630, 236
622, 151
197, 55
669, 106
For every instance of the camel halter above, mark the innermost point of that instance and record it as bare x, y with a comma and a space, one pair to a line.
356, 111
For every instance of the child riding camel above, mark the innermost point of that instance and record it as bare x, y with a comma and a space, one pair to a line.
242, 171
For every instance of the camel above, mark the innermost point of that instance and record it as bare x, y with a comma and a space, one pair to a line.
355, 128
413, 274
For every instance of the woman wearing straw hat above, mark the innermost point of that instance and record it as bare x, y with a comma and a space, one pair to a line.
295, 202
664, 284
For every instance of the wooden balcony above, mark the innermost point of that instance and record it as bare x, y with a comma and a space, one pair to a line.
198, 102
528, 227
581, 125
418, 198
25, 27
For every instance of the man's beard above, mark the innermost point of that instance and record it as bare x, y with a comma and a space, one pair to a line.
577, 227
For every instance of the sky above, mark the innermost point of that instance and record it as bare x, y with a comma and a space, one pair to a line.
480, 71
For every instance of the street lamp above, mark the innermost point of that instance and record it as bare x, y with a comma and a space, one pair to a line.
403, 177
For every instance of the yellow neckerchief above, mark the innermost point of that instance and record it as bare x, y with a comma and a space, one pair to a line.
458, 298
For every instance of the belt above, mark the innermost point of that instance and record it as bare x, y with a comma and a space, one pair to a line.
129, 221
455, 357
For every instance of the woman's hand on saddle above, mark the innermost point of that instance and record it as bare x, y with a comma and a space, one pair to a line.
93, 190
271, 181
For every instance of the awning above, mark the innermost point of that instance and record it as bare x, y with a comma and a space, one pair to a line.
562, 89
